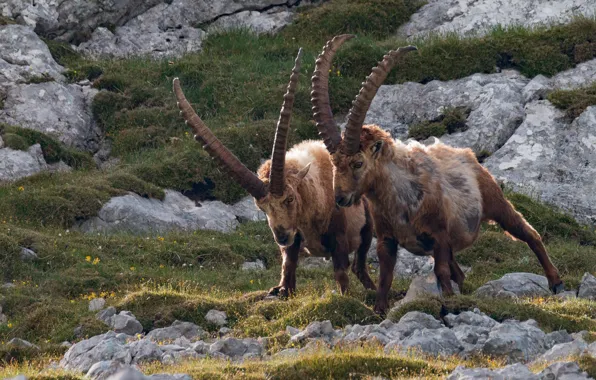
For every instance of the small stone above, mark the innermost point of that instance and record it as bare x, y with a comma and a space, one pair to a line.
177, 330
106, 315
128, 373
8, 285
313, 262
253, 265
558, 337
567, 295
515, 285
224, 331
104, 369
27, 254
587, 288
126, 323
97, 304
218, 318
291, 331
145, 350
288, 353
66, 344
563, 351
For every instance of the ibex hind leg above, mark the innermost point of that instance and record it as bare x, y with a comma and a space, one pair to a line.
499, 209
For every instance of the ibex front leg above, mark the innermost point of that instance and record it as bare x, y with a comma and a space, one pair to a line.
287, 284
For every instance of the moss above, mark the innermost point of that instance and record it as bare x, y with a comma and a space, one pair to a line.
588, 364
574, 102
483, 155
451, 120
40, 78
9, 256
128, 182
15, 141
53, 151
62, 52
379, 18
430, 306
6, 21
90, 71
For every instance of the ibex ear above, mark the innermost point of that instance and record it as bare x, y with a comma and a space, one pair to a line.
303, 172
376, 148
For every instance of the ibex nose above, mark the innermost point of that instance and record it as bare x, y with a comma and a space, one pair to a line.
281, 235
340, 200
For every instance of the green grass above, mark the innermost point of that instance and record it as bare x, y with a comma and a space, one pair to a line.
574, 102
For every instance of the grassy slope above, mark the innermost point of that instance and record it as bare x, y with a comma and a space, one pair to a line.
236, 84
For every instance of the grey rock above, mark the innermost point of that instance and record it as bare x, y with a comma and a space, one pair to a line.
3, 319
106, 315
97, 304
515, 284
224, 331
315, 330
495, 102
24, 56
537, 89
587, 288
313, 262
59, 167
558, 337
472, 338
237, 348
480, 16
21, 344
56, 109
129, 41
66, 344
291, 331
515, 341
511, 372
576, 77
258, 22
253, 265
436, 342
126, 323
165, 376
145, 350
247, 211
104, 369
84, 354
201, 347
16, 164
8, 285
563, 351
424, 286
217, 317
18, 377
1, 143
408, 265
582, 335
563, 371
135, 214
128, 373
541, 159
470, 318
567, 295
176, 331
288, 353
27, 254
591, 350
413, 321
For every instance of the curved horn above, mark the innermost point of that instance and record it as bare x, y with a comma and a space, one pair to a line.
241, 174
320, 93
368, 91
278, 156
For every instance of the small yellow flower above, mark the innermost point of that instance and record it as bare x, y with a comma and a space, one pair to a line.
96, 261
338, 73
252, 281
161, 266
21, 188
132, 269
112, 295
72, 301
88, 258
160, 238
9, 325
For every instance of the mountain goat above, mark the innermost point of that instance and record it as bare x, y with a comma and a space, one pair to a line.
429, 199
295, 190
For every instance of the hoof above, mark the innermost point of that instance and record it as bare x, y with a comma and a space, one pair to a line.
279, 291
559, 288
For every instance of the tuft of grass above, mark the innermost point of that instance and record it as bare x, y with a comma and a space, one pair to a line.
40, 78
128, 182
63, 53
574, 102
376, 18
6, 21
450, 121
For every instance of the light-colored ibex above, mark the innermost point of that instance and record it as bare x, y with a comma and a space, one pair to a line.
295, 190
429, 199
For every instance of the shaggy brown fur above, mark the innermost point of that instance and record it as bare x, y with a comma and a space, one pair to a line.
429, 199
304, 217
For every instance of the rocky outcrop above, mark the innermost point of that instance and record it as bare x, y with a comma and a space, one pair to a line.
552, 159
479, 16
494, 102
514, 285
34, 93
559, 370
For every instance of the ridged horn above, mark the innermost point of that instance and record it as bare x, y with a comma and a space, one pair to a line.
278, 156
360, 106
241, 174
320, 93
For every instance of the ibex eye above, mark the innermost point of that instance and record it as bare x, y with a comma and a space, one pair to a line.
357, 165
290, 199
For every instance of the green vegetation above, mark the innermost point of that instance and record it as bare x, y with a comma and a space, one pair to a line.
574, 102
6, 21
450, 121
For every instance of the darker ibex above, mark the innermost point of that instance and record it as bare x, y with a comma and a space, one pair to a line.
428, 199
295, 190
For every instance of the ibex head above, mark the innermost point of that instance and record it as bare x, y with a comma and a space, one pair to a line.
354, 153
276, 195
